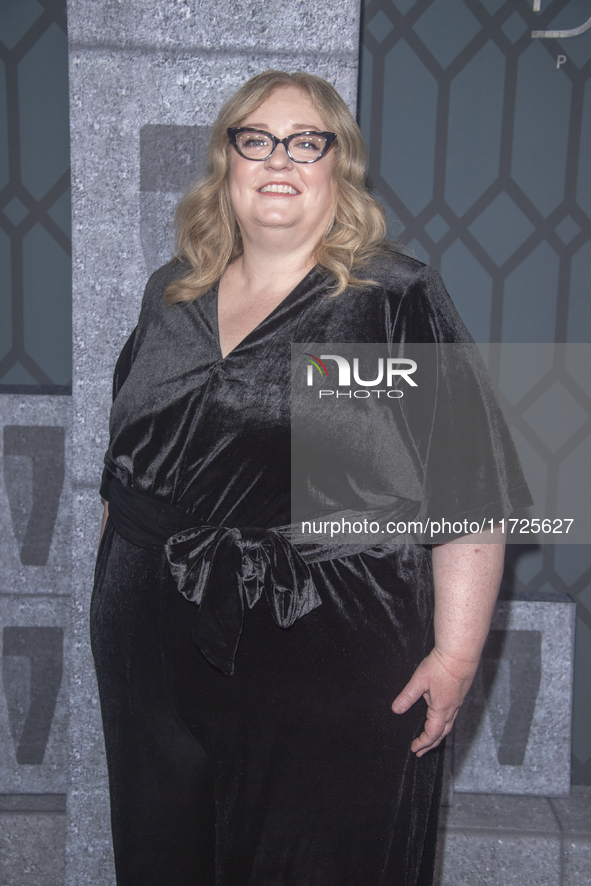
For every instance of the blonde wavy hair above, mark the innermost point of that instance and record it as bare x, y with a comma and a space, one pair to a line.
208, 236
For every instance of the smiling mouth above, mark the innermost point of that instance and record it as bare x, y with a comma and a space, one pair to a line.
278, 189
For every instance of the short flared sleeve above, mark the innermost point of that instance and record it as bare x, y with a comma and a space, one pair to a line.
471, 470
120, 374
123, 364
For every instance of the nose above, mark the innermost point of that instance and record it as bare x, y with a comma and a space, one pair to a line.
279, 159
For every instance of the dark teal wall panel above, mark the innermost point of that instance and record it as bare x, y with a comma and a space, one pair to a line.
457, 263
529, 308
48, 307
3, 129
474, 135
540, 141
45, 132
584, 164
446, 28
579, 312
408, 127
16, 17
5, 300
35, 278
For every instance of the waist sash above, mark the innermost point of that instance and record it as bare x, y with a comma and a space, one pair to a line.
223, 568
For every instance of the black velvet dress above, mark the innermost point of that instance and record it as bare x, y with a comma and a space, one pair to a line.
293, 770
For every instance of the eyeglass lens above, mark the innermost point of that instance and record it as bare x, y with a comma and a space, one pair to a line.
303, 147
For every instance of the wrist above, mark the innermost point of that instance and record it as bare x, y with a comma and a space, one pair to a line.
459, 663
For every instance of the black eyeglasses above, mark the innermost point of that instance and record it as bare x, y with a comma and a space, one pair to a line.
301, 147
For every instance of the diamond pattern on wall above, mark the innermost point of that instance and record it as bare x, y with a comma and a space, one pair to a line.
501, 228
479, 142
35, 273
515, 27
16, 19
567, 416
567, 229
446, 28
380, 26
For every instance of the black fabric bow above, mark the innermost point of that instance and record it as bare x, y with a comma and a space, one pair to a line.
220, 569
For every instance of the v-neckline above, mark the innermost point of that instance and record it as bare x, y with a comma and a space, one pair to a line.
291, 296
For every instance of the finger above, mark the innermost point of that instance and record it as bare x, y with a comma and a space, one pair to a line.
423, 743
431, 737
432, 732
414, 689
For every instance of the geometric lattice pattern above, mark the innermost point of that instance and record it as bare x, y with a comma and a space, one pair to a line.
35, 227
479, 139
479, 148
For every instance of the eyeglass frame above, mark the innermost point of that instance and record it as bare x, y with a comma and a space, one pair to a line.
234, 131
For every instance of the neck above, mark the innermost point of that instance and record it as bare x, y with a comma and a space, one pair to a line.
274, 262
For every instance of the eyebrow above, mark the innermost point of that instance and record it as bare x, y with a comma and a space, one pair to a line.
299, 127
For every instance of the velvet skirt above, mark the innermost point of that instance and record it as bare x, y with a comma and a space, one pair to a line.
294, 771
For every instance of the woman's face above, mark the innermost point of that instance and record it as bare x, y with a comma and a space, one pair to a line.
304, 201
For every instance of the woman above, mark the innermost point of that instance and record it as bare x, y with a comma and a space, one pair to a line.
239, 751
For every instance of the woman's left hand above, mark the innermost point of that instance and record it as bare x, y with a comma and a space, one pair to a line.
443, 681
466, 577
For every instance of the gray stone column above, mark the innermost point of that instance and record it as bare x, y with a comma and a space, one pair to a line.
147, 76
35, 532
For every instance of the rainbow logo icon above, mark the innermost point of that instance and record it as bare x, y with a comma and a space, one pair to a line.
317, 362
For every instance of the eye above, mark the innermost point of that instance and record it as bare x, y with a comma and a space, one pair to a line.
253, 140
312, 143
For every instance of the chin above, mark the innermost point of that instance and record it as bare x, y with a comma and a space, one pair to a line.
278, 221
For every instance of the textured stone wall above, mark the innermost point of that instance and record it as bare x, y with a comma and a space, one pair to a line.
513, 734
147, 76
35, 530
